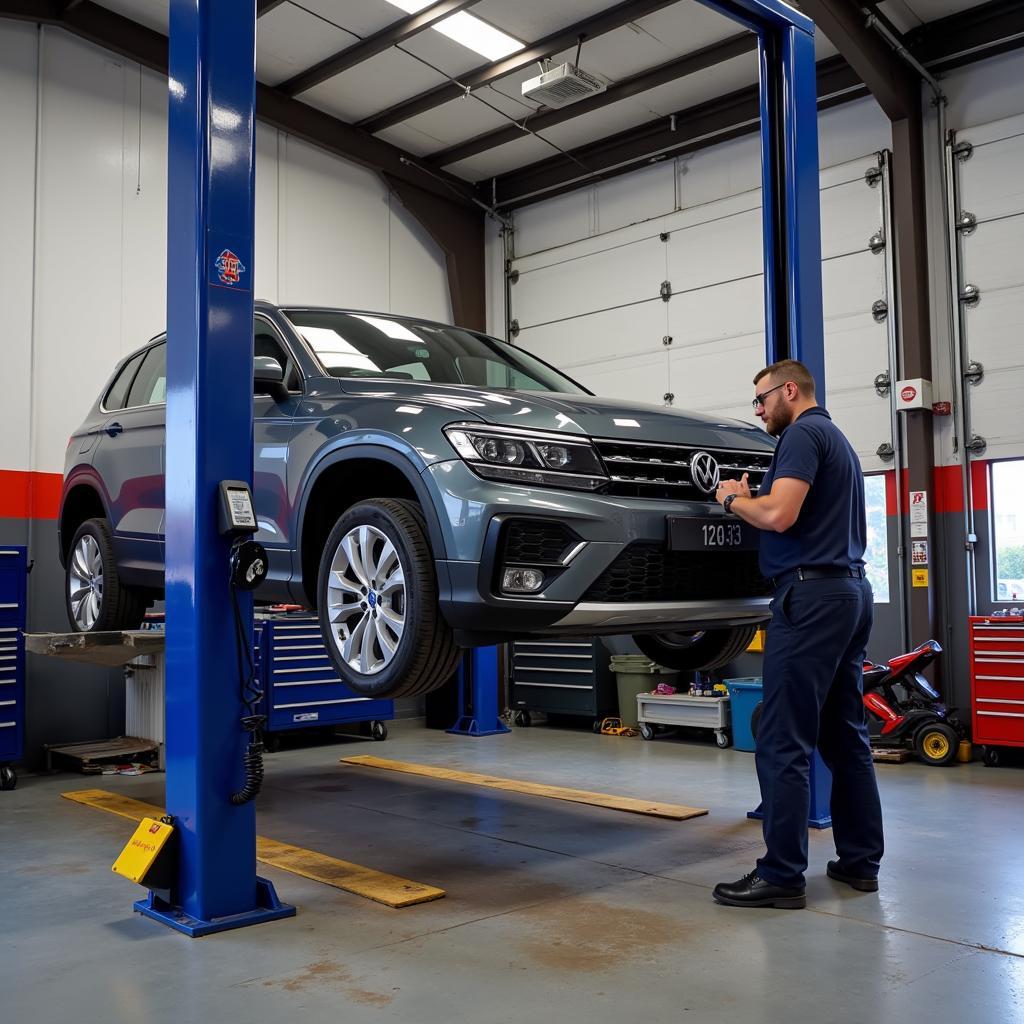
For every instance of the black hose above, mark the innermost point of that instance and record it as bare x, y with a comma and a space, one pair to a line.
252, 720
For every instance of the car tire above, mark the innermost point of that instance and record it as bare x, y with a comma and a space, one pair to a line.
390, 640
95, 598
696, 652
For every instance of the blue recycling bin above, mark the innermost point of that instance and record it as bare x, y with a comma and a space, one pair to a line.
744, 695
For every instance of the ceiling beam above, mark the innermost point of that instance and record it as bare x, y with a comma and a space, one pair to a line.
725, 117
967, 36
546, 117
896, 88
596, 25
393, 34
113, 32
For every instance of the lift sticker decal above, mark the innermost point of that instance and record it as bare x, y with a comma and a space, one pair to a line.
229, 268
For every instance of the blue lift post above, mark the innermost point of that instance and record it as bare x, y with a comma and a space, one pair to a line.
210, 213
479, 714
791, 212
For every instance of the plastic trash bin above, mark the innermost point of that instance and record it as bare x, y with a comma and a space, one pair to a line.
636, 674
743, 696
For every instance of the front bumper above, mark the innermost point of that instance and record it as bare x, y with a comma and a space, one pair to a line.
473, 510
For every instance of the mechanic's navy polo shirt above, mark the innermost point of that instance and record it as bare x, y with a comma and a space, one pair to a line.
831, 530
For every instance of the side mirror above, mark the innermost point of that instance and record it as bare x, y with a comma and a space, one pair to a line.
267, 377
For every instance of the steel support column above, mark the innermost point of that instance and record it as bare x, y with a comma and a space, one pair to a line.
211, 156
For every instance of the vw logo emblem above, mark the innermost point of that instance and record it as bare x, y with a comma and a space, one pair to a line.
704, 472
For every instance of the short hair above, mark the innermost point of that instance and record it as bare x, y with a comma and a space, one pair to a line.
791, 370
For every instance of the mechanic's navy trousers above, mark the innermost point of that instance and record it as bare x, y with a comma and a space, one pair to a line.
813, 685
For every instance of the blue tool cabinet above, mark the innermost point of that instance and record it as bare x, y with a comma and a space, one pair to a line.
301, 688
12, 661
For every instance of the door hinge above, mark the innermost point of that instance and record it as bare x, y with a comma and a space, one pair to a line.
513, 277
667, 340
879, 310
666, 291
885, 452
872, 176
963, 151
513, 328
971, 295
664, 236
876, 243
669, 397
975, 373
882, 384
966, 222
976, 445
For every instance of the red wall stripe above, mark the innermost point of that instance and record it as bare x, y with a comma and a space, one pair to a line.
29, 495
947, 489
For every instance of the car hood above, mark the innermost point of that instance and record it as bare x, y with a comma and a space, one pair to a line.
573, 414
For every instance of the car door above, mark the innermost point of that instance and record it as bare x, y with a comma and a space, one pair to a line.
130, 461
273, 431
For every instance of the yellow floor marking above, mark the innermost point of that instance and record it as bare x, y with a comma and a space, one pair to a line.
375, 885
677, 812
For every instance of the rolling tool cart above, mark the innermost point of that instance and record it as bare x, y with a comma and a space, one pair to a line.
13, 570
561, 677
997, 683
300, 686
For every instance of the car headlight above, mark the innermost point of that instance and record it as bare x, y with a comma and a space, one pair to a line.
528, 457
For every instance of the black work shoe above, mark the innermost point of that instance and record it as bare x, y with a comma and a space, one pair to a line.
753, 891
835, 870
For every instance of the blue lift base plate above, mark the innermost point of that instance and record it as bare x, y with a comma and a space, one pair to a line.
269, 908
825, 822
467, 725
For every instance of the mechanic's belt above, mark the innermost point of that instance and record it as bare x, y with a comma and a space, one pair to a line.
795, 575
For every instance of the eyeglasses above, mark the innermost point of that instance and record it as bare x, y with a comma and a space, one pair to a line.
759, 399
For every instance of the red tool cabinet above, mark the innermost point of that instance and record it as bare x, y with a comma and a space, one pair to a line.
997, 680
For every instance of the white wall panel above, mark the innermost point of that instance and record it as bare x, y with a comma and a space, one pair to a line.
631, 379
17, 209
95, 258
79, 282
718, 250
851, 212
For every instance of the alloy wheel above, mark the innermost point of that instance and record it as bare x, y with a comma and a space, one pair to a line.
85, 582
366, 599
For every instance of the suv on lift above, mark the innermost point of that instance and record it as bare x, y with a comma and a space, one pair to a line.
429, 488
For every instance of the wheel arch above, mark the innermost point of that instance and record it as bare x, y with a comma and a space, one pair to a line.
82, 500
364, 471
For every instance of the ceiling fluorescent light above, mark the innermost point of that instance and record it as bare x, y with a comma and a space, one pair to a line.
468, 30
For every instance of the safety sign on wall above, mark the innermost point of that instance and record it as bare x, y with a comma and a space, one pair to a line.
918, 513
919, 552
919, 577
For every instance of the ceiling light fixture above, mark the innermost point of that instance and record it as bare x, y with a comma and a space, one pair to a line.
468, 30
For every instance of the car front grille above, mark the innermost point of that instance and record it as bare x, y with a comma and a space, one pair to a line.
647, 572
639, 469
532, 542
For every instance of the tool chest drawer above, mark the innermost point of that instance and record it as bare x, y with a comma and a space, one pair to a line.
997, 680
12, 652
561, 676
301, 687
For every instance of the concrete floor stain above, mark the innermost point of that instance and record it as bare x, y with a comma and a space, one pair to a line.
598, 937
327, 972
70, 868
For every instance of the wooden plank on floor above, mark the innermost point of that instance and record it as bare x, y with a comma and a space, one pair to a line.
391, 890
677, 812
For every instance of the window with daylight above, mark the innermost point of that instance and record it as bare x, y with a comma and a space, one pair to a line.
876, 556
1008, 530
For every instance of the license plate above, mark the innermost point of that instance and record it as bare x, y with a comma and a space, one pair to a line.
685, 534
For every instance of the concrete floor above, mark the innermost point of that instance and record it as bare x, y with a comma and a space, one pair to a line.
554, 912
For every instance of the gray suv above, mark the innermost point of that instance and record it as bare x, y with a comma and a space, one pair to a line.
428, 488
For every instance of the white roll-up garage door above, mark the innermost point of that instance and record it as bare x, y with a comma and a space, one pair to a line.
988, 169
671, 310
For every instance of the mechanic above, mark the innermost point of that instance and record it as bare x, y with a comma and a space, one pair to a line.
811, 518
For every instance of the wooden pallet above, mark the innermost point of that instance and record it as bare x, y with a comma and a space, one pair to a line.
890, 755
90, 758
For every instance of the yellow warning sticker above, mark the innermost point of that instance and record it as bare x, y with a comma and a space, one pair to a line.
143, 849
919, 577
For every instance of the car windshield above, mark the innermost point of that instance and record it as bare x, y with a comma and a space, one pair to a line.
378, 346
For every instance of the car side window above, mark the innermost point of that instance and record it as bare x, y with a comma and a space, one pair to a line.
150, 384
115, 396
267, 342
